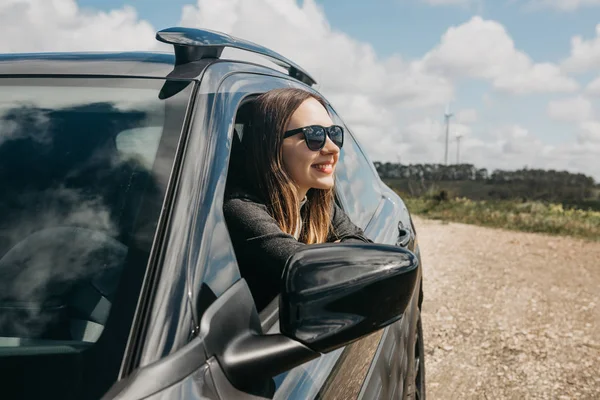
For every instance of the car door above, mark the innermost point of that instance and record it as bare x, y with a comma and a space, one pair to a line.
384, 217
195, 371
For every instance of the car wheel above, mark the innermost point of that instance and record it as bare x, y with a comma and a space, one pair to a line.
417, 384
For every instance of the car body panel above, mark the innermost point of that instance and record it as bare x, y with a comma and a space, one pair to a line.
198, 385
388, 376
389, 372
384, 351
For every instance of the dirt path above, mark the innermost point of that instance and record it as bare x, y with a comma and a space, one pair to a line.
509, 315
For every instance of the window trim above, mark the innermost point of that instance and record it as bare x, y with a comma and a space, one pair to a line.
143, 311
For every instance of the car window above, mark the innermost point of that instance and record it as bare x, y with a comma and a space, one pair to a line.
85, 163
357, 183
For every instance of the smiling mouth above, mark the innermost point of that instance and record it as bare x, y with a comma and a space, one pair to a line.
326, 168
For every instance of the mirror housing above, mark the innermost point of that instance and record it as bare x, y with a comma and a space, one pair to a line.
334, 294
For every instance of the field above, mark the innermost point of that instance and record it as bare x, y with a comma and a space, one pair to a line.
528, 216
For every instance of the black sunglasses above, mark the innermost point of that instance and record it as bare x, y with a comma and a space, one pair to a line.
315, 136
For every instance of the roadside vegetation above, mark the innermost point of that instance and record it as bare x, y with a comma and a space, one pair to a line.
553, 202
529, 216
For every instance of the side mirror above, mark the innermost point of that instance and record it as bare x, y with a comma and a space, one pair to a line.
333, 294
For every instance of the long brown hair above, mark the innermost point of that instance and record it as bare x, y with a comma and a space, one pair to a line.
264, 168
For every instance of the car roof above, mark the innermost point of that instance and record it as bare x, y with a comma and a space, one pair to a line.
190, 46
144, 64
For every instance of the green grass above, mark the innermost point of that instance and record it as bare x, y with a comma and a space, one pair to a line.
509, 214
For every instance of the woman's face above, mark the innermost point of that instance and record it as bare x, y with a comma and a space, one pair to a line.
309, 169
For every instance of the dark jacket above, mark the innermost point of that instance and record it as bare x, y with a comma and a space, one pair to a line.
262, 248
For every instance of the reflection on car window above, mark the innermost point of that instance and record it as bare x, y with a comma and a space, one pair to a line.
77, 163
306, 380
357, 184
140, 144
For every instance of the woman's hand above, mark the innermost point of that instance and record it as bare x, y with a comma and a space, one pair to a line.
337, 241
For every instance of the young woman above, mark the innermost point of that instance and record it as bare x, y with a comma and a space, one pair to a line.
285, 199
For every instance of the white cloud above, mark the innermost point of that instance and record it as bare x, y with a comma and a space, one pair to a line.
506, 147
517, 140
514, 146
419, 141
590, 133
483, 49
342, 65
60, 25
574, 109
585, 54
593, 88
467, 116
563, 5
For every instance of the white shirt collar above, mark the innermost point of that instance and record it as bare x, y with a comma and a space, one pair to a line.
303, 201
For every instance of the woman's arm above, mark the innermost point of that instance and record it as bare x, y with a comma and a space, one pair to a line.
344, 230
255, 232
261, 247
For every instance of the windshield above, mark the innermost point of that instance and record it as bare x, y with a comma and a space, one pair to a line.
84, 165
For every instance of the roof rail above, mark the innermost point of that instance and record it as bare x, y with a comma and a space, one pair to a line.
196, 44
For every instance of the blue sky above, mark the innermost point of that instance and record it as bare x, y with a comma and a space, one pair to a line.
521, 93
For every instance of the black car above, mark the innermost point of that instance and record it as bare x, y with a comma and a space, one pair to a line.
118, 278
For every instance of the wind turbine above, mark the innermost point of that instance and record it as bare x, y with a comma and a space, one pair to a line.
447, 116
458, 137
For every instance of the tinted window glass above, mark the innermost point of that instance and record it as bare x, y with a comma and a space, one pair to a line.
306, 381
83, 174
357, 184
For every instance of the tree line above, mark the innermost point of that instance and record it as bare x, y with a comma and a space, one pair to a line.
469, 181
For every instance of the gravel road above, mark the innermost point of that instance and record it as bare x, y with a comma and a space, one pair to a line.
509, 315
